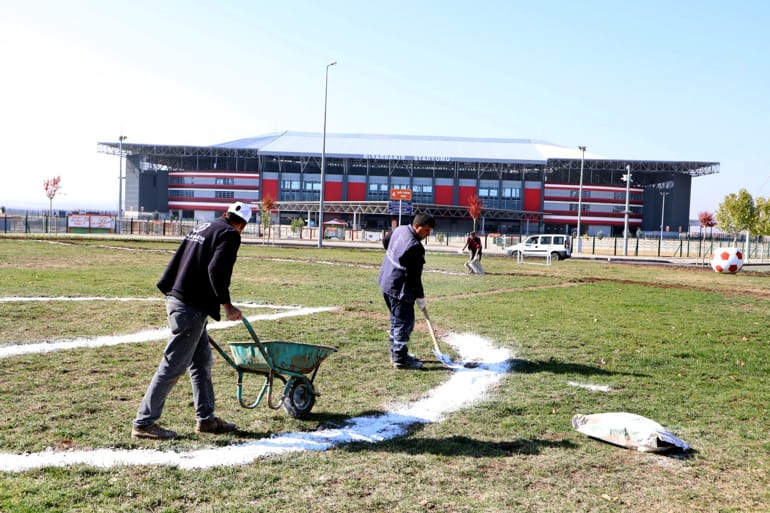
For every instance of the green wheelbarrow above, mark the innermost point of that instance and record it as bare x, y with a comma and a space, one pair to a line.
294, 364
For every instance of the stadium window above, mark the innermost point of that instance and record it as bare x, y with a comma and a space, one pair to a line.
511, 192
290, 185
224, 194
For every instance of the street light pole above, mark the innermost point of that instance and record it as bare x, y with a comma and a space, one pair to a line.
323, 164
627, 178
662, 210
580, 199
120, 183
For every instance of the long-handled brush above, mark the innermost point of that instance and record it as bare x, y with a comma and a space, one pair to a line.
445, 359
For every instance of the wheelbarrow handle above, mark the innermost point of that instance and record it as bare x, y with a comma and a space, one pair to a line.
223, 354
251, 330
259, 344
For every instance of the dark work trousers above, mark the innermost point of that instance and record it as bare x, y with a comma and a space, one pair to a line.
401, 326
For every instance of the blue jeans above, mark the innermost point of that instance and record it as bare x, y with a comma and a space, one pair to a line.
401, 326
188, 348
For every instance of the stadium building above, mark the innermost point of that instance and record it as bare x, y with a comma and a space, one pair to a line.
526, 186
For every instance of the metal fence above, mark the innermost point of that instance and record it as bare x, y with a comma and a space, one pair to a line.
685, 245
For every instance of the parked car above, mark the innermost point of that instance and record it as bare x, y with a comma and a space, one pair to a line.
541, 245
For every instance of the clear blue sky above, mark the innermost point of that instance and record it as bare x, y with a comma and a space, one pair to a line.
687, 80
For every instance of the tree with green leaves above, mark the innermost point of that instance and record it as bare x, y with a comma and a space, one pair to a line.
737, 213
296, 225
763, 216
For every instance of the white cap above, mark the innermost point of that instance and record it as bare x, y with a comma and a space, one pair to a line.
242, 210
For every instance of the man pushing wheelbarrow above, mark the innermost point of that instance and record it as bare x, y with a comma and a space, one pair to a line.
196, 283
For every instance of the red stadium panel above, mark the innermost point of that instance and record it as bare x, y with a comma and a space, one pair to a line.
356, 191
464, 195
270, 189
532, 199
333, 191
443, 194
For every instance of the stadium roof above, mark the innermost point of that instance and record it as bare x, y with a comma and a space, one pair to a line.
407, 147
411, 148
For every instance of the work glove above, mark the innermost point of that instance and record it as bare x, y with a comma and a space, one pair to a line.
421, 303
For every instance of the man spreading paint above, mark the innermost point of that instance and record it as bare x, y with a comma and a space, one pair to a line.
196, 282
400, 280
473, 243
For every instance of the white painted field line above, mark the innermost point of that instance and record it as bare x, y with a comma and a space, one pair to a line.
142, 336
21, 299
16, 299
464, 388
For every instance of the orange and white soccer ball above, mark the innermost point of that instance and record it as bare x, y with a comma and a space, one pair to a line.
727, 260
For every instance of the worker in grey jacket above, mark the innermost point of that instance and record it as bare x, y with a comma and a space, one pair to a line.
196, 283
400, 280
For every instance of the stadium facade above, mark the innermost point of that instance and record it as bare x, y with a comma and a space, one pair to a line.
526, 186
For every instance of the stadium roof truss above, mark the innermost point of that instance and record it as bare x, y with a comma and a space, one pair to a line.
381, 207
643, 166
172, 156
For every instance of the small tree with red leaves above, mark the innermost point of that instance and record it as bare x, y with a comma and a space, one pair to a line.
706, 220
51, 187
474, 208
266, 206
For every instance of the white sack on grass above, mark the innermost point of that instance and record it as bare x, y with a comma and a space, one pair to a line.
475, 265
628, 430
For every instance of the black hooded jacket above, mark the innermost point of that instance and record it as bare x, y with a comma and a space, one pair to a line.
199, 273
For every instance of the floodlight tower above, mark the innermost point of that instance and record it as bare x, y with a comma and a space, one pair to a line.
663, 195
121, 138
627, 178
323, 164
580, 198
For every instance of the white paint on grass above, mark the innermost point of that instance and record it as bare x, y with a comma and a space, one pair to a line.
464, 388
588, 386
146, 335
19, 299
75, 298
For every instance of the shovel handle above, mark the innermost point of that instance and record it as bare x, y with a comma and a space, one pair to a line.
430, 328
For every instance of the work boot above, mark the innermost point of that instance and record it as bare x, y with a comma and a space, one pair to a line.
153, 432
214, 425
409, 363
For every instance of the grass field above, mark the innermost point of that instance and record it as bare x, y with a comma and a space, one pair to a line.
685, 347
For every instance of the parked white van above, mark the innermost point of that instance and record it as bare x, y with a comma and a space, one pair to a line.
542, 245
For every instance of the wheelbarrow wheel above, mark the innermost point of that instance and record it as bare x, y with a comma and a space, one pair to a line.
299, 398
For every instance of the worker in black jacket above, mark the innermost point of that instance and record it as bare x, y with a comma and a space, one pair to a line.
196, 283
400, 280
